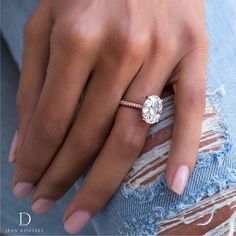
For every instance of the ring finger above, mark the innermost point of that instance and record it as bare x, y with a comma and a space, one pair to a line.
120, 150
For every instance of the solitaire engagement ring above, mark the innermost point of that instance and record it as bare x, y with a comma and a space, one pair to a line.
151, 108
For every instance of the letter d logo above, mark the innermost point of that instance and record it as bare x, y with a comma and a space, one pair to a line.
23, 217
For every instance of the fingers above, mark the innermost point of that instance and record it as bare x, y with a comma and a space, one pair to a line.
33, 72
120, 150
88, 133
189, 104
54, 113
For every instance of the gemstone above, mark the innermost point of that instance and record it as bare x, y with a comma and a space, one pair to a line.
152, 108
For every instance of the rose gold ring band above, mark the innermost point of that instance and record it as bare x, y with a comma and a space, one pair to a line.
131, 104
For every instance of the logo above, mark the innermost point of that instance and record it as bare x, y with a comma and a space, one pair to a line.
25, 218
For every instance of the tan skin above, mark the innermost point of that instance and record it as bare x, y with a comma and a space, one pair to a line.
116, 50
193, 228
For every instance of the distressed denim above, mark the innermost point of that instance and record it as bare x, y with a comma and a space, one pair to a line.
146, 207
143, 205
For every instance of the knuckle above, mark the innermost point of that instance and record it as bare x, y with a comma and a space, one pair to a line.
135, 46
51, 188
86, 140
100, 193
74, 36
56, 186
167, 47
195, 97
197, 39
133, 138
49, 130
130, 137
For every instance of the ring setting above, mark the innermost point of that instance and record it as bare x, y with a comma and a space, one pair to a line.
151, 108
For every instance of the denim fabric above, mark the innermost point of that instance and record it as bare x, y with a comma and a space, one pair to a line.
141, 211
148, 208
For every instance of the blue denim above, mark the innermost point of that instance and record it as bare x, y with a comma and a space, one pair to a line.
142, 211
139, 211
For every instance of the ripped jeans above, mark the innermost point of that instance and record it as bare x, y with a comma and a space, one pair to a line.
143, 205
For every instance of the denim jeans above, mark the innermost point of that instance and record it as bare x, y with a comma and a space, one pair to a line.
143, 205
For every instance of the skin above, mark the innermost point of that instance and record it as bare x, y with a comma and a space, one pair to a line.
220, 215
112, 50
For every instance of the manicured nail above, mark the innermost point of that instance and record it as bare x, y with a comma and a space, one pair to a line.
11, 157
180, 179
42, 205
76, 221
22, 189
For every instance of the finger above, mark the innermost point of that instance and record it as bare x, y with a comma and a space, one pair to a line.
55, 110
122, 147
189, 104
35, 60
88, 133
12, 152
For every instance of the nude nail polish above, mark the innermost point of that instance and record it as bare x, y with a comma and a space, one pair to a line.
76, 221
180, 179
42, 205
11, 157
22, 189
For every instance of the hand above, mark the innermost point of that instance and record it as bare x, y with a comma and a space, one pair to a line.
111, 50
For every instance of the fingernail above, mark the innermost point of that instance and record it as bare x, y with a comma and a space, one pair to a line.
180, 179
22, 189
42, 205
76, 221
11, 157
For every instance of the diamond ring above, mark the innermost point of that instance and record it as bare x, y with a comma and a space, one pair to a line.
151, 108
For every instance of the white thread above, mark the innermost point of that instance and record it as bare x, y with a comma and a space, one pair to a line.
228, 227
221, 91
143, 170
202, 208
208, 221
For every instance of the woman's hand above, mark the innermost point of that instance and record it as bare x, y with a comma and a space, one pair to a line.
112, 50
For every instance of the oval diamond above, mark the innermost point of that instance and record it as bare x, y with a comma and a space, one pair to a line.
152, 108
